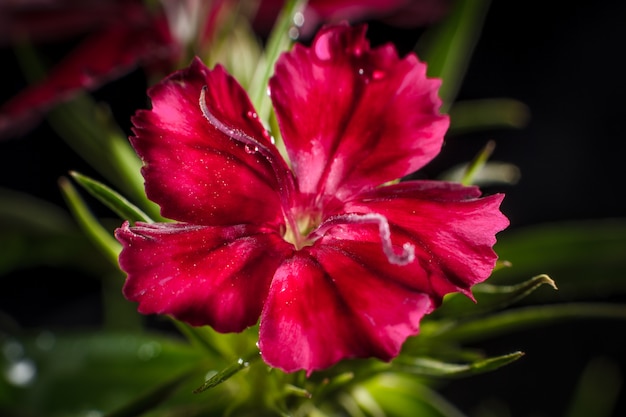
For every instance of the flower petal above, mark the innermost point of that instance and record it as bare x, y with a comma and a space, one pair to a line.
104, 56
195, 171
353, 117
453, 232
217, 276
322, 310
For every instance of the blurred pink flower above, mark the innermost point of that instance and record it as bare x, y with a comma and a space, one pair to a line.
119, 37
334, 262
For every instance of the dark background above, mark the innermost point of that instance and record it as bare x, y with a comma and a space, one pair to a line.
563, 59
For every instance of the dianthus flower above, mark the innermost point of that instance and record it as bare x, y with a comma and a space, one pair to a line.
121, 35
331, 256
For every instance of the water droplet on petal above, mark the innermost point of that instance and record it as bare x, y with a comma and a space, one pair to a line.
251, 114
293, 33
356, 50
298, 19
378, 74
322, 48
250, 149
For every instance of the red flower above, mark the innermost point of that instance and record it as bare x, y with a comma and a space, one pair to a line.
335, 263
122, 36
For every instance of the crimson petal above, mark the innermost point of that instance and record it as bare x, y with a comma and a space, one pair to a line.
353, 117
322, 310
452, 229
201, 275
196, 172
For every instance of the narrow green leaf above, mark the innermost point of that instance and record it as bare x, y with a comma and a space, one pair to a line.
235, 46
489, 298
101, 237
471, 115
448, 46
81, 371
511, 321
402, 395
151, 399
205, 338
436, 368
280, 40
112, 199
478, 163
21, 210
118, 313
227, 372
36, 232
597, 390
490, 174
585, 257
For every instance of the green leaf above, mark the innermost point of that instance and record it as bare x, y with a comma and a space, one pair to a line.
236, 46
401, 395
36, 232
280, 40
481, 172
597, 390
20, 210
447, 47
471, 115
226, 373
74, 373
227, 346
112, 199
477, 164
510, 321
585, 257
492, 173
101, 237
151, 399
436, 368
489, 298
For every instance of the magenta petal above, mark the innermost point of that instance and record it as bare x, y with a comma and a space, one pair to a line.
452, 229
320, 311
217, 276
195, 172
353, 117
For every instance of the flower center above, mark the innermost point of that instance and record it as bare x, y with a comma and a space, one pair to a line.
299, 228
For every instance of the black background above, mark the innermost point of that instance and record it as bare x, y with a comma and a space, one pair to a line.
563, 59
